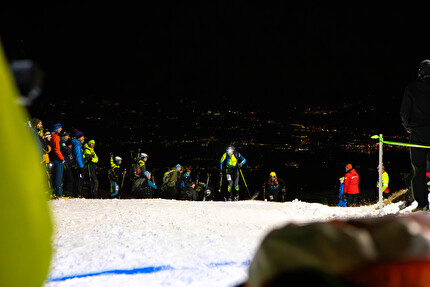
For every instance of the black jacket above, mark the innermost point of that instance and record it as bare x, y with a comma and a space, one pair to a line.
415, 108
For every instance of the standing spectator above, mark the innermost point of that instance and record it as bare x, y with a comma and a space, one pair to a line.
46, 140
341, 196
351, 185
57, 160
385, 181
36, 127
91, 159
171, 182
68, 158
187, 186
36, 124
115, 175
47, 146
415, 114
78, 168
139, 167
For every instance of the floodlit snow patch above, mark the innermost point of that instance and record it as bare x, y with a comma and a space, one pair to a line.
106, 242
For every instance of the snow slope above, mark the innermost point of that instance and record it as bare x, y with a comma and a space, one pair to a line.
157, 242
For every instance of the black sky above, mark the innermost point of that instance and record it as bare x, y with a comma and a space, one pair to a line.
226, 52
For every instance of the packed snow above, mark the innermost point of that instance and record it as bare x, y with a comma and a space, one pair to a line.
157, 242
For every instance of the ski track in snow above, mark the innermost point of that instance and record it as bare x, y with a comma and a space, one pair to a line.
202, 243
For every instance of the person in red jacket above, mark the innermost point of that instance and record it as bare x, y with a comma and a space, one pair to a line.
57, 160
351, 185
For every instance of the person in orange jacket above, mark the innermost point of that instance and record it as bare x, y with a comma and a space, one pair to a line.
57, 159
350, 186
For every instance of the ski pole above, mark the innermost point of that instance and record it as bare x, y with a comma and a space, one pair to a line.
244, 181
220, 183
123, 176
206, 187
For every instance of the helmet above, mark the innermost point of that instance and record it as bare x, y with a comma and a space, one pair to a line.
272, 174
424, 70
117, 159
230, 149
143, 155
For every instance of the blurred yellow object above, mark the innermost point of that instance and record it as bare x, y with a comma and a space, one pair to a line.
25, 221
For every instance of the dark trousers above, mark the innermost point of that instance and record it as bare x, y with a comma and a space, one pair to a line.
352, 199
419, 165
232, 175
188, 193
94, 182
57, 177
419, 183
170, 192
68, 180
273, 194
78, 181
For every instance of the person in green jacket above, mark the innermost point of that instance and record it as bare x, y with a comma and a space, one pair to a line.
233, 161
115, 175
91, 160
385, 181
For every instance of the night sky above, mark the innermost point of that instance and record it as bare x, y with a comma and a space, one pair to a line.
225, 52
231, 55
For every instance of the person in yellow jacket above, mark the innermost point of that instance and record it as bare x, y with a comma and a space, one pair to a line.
233, 161
115, 175
91, 160
385, 182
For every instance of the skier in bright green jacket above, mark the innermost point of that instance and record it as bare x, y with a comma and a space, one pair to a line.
234, 160
91, 160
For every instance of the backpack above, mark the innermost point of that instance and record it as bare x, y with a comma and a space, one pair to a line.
170, 178
132, 173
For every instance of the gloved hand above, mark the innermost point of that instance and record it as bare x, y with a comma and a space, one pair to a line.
221, 174
240, 165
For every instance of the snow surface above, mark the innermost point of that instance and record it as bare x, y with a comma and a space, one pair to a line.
102, 242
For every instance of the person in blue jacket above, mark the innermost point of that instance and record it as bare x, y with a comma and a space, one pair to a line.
341, 196
234, 160
78, 168
187, 186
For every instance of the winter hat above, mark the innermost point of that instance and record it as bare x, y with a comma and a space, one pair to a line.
56, 127
349, 166
91, 142
178, 166
63, 133
47, 135
424, 70
117, 159
78, 134
143, 155
34, 122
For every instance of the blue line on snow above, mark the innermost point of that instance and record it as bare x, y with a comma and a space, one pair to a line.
145, 270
